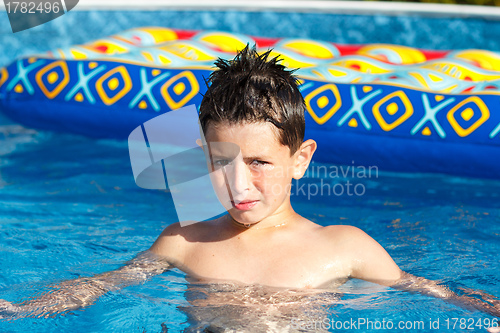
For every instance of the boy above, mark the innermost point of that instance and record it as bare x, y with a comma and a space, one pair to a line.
253, 103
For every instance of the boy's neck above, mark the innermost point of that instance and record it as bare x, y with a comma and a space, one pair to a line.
256, 226
282, 217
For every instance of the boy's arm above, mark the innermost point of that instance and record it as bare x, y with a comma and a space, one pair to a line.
81, 292
371, 262
75, 294
470, 298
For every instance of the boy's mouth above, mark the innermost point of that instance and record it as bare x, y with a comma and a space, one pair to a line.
244, 205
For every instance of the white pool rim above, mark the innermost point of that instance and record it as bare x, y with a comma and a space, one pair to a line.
321, 6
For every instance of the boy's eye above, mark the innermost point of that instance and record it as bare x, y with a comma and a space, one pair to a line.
221, 163
258, 163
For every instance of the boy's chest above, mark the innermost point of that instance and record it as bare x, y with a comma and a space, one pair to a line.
282, 265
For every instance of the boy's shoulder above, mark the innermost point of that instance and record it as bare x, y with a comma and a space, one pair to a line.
176, 237
370, 261
341, 233
345, 232
350, 237
340, 239
172, 241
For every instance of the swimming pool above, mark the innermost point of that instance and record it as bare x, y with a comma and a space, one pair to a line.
70, 208
65, 215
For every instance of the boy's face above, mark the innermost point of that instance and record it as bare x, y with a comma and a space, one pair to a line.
251, 170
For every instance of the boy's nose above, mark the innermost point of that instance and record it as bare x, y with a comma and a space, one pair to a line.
238, 180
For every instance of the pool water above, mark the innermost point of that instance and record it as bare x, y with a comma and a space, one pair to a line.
69, 208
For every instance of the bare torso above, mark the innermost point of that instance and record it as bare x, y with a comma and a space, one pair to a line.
300, 254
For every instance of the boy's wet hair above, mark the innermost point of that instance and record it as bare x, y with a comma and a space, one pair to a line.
252, 88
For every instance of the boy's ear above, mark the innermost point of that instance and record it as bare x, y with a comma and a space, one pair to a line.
303, 157
199, 143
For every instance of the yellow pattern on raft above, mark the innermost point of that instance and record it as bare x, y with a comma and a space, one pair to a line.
471, 71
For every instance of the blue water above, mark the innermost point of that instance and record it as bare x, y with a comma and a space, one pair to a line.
69, 208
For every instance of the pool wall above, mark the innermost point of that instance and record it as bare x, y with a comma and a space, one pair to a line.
410, 29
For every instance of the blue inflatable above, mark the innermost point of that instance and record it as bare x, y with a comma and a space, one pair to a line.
392, 107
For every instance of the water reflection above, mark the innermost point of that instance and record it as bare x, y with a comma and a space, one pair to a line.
231, 307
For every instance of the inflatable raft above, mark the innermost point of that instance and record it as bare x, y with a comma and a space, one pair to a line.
394, 107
